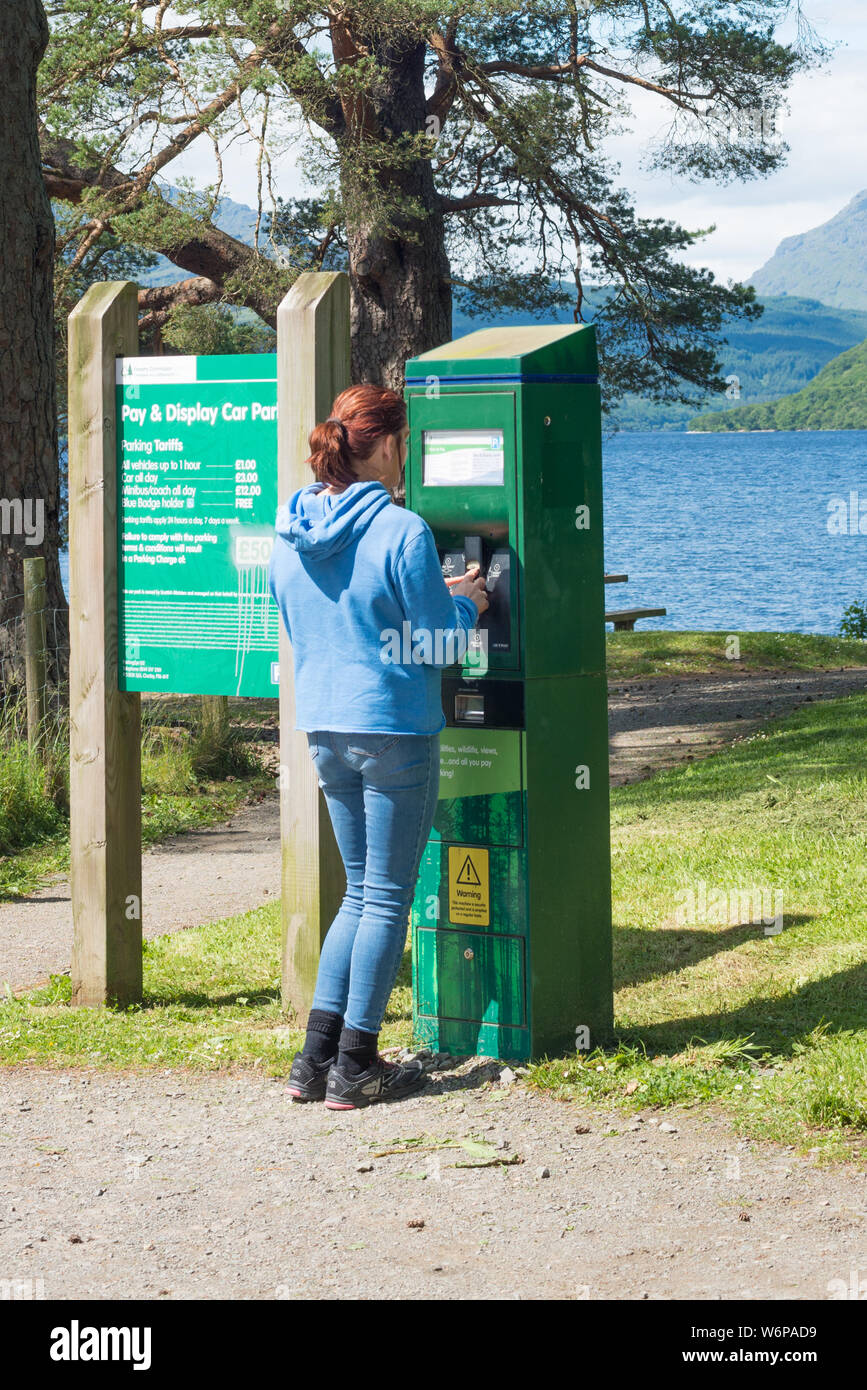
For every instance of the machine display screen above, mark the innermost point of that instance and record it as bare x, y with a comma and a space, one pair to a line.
462, 458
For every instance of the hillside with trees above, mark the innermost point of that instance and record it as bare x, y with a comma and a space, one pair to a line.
835, 400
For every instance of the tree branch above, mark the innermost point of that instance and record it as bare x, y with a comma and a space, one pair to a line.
679, 98
138, 183
449, 60
476, 200
155, 304
139, 43
210, 253
543, 72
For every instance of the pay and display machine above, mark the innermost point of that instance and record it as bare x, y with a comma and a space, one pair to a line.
511, 920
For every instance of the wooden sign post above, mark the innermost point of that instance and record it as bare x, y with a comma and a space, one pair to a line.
104, 722
313, 367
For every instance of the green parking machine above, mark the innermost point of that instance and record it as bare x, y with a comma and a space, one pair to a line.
511, 919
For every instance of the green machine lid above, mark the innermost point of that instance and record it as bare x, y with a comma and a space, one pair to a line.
535, 352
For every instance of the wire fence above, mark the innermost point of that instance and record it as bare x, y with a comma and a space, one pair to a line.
34, 664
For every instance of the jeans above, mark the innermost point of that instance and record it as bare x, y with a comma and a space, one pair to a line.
381, 791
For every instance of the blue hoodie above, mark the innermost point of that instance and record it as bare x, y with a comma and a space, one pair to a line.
371, 620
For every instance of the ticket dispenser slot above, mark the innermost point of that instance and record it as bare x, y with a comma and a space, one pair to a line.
494, 561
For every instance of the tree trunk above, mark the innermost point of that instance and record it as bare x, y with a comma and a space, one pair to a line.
29, 501
401, 294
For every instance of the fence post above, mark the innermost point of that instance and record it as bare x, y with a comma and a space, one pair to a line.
215, 716
312, 368
35, 662
104, 722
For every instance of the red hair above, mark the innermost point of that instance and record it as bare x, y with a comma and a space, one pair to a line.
359, 418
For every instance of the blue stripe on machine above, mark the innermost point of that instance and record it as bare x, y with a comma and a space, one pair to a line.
506, 378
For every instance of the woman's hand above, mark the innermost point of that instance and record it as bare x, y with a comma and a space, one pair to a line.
471, 585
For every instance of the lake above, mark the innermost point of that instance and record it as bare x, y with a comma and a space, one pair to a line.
730, 531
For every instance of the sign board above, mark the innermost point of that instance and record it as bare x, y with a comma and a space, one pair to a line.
469, 886
197, 482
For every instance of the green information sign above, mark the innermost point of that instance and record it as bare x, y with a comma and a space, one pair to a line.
197, 474
482, 762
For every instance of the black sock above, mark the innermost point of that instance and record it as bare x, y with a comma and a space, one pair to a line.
323, 1035
357, 1051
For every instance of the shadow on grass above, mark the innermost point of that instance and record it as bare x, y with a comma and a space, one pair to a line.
201, 999
198, 999
775, 1025
641, 955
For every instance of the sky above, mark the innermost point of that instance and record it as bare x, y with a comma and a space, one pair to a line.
826, 166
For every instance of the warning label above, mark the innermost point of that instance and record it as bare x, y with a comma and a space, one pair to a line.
469, 886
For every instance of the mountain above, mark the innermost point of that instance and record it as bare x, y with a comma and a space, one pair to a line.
778, 354
834, 400
826, 263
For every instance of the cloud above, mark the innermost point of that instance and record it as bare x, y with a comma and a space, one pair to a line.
824, 169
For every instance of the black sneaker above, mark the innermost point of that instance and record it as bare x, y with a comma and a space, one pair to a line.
381, 1081
307, 1079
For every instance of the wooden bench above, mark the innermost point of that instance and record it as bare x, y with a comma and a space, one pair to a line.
626, 618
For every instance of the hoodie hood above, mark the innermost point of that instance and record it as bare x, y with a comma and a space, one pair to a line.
319, 526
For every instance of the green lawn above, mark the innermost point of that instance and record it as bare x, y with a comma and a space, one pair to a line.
691, 653
776, 1025
772, 1027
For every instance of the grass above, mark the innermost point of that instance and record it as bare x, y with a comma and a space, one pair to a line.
27, 811
633, 654
34, 802
211, 1000
709, 1006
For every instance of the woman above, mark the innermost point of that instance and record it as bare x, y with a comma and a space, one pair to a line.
351, 572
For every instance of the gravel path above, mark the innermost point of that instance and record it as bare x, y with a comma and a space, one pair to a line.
209, 874
181, 1187
187, 880
660, 722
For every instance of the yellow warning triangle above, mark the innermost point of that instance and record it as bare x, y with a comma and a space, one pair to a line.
468, 872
